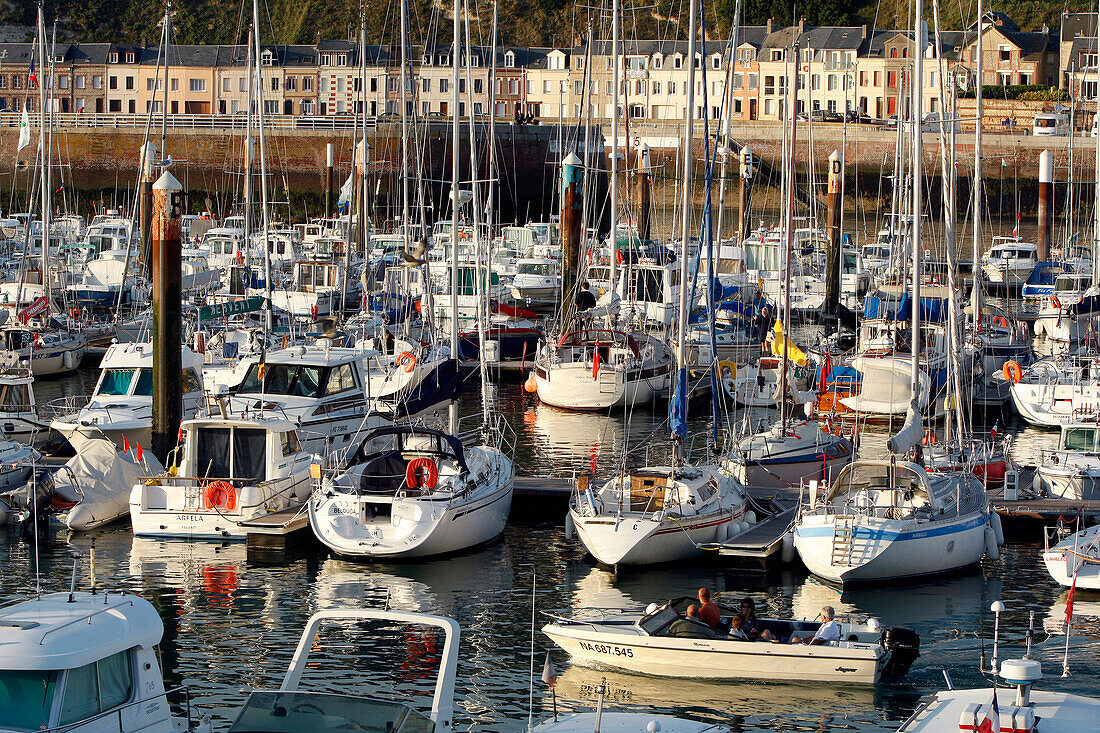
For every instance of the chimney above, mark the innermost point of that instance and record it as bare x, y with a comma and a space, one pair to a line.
864, 30
801, 26
771, 25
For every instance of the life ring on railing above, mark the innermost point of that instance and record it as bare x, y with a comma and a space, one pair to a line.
1055, 302
240, 257
1000, 321
220, 495
313, 312
1012, 371
421, 473
408, 359
727, 366
619, 256
74, 313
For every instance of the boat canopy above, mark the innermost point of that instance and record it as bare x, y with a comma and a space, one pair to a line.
405, 439
902, 476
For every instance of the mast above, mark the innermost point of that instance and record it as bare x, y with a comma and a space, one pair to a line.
916, 89
788, 235
263, 163
724, 143
164, 95
976, 206
491, 187
248, 151
404, 119
613, 189
456, 130
43, 145
1096, 173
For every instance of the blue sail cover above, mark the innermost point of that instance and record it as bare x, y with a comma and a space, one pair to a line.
677, 406
932, 310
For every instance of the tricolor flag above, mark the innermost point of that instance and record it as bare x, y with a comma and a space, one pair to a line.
549, 674
32, 77
992, 721
1016, 229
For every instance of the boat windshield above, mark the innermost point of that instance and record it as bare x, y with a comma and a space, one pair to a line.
115, 381
1081, 440
26, 698
231, 453
291, 712
282, 379
657, 620
534, 268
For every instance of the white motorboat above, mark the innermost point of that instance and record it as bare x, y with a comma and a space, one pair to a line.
1076, 559
1009, 260
537, 280
414, 492
93, 487
1019, 710
121, 406
19, 419
786, 456
85, 663
885, 520
658, 514
751, 385
1073, 471
1058, 390
594, 369
49, 351
292, 709
225, 472
664, 643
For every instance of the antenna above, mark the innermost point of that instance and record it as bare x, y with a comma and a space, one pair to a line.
997, 608
72, 582
32, 503
1030, 633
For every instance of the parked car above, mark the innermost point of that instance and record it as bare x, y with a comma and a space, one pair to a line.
832, 117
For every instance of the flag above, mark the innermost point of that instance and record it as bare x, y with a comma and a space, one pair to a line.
32, 77
139, 454
1003, 163
993, 430
1069, 602
826, 371
24, 131
345, 194
125, 445
1016, 229
549, 674
595, 363
992, 721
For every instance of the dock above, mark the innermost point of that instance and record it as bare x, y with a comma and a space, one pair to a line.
1023, 503
274, 536
538, 487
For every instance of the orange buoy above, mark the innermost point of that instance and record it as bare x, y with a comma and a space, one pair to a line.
531, 386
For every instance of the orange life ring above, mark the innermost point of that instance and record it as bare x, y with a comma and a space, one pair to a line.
220, 495
74, 313
1012, 371
408, 359
619, 256
240, 257
463, 234
1000, 321
1055, 302
417, 480
929, 438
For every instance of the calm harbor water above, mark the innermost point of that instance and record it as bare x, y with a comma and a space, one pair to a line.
231, 626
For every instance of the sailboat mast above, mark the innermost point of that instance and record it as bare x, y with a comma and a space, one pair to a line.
788, 235
685, 192
404, 119
613, 189
724, 142
1096, 174
456, 130
164, 92
43, 146
248, 153
916, 89
263, 162
976, 206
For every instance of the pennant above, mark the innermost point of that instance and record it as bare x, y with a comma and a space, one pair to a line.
125, 445
1069, 602
139, 454
595, 363
24, 131
549, 674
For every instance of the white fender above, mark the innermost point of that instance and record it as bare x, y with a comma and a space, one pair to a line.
1039, 328
1037, 485
787, 551
991, 548
750, 517
998, 531
69, 360
569, 526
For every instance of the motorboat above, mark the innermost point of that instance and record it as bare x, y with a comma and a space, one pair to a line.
657, 514
93, 488
885, 520
413, 492
1073, 470
595, 368
47, 349
19, 418
225, 472
120, 408
1075, 559
536, 281
663, 643
1009, 260
1058, 390
290, 708
788, 454
85, 662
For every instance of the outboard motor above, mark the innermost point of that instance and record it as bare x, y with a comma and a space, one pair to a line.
903, 646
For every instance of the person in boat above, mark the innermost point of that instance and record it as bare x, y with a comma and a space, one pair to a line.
736, 630
708, 610
829, 630
585, 299
750, 624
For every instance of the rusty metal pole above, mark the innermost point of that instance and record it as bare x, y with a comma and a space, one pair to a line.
145, 205
832, 251
743, 223
1046, 203
329, 161
572, 199
644, 189
167, 349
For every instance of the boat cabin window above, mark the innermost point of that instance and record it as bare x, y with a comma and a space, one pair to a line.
290, 443
26, 698
658, 620
534, 268
144, 385
231, 453
190, 381
648, 286
1080, 439
115, 382
14, 396
340, 379
850, 263
289, 712
96, 688
282, 379
857, 477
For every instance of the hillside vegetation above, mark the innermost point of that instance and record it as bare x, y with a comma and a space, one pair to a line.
521, 22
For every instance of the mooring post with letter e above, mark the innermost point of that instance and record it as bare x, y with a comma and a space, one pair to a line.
572, 172
1046, 199
167, 358
330, 157
644, 195
145, 204
745, 195
832, 252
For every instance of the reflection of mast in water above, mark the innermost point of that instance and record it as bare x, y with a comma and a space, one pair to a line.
1086, 614
574, 440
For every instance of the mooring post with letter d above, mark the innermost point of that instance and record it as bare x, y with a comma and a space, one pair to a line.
167, 356
1046, 200
833, 233
572, 173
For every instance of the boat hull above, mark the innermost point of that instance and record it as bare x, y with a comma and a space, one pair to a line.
647, 541
573, 387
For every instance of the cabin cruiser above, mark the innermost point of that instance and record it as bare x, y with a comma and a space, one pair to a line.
315, 290
85, 662
19, 419
537, 281
662, 642
1075, 560
1009, 260
120, 408
1057, 390
593, 369
413, 492
886, 520
1068, 314
49, 350
1073, 471
657, 514
107, 282
225, 472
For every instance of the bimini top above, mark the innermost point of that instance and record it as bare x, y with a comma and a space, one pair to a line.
410, 439
599, 336
52, 632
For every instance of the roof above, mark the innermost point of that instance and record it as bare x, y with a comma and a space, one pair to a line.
1078, 24
51, 633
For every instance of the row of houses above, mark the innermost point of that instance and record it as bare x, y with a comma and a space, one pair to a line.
838, 69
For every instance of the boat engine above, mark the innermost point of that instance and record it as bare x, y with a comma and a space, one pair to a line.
903, 646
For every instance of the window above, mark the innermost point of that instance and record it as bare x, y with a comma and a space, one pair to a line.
513, 86
112, 58
477, 108
815, 82
426, 85
290, 443
80, 82
274, 84
96, 688
130, 57
150, 85
639, 86
877, 80
478, 86
307, 83
191, 381
113, 82
130, 82
1004, 53
461, 86
271, 106
291, 83
578, 86
656, 87
509, 60
658, 61
444, 86
777, 54
62, 82
716, 61
546, 86
769, 85
677, 61
197, 85
3, 81
744, 56
637, 111
242, 84
672, 87
636, 63
556, 62
832, 82
425, 108
752, 80
227, 84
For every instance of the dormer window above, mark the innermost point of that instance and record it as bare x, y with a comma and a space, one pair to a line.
444, 60
698, 61
130, 57
112, 58
426, 60
509, 60
677, 61
658, 61
267, 58
777, 54
716, 61
475, 61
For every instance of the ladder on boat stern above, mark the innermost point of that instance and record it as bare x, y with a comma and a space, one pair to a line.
843, 536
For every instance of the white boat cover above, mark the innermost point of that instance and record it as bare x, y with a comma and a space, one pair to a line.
104, 476
886, 387
910, 434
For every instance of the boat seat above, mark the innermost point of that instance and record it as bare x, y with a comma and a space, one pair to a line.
686, 628
385, 474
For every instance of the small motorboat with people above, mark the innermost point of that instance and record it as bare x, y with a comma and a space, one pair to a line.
226, 471
1073, 470
1075, 559
1002, 708
85, 661
666, 641
413, 492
